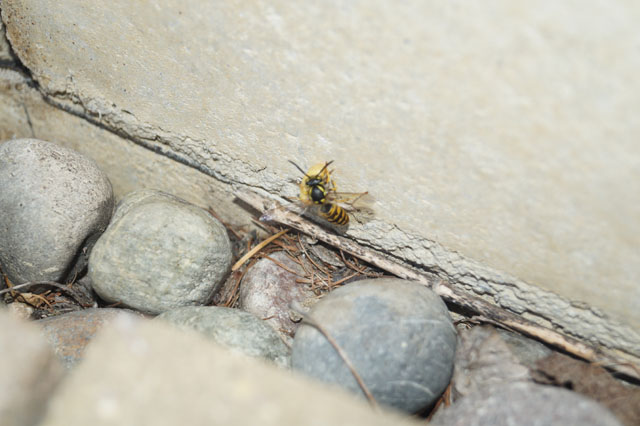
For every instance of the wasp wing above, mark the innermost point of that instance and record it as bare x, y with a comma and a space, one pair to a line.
351, 200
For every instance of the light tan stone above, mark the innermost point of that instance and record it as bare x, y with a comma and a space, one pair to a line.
31, 371
499, 139
147, 372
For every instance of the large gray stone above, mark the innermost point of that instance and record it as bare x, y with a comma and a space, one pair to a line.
525, 404
160, 253
54, 203
30, 372
149, 373
233, 329
398, 335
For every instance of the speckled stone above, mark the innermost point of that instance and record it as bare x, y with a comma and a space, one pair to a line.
237, 330
69, 334
160, 253
54, 202
268, 290
397, 334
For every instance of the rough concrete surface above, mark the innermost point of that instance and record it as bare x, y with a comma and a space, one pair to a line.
499, 139
129, 166
5, 48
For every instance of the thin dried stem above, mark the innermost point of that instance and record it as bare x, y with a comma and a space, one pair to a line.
226, 225
306, 254
349, 264
256, 249
348, 277
286, 268
341, 353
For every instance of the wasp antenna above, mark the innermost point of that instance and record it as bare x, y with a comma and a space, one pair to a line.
325, 167
298, 167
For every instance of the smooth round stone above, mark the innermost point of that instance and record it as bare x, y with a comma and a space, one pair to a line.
70, 333
525, 404
239, 331
160, 253
397, 334
268, 290
54, 203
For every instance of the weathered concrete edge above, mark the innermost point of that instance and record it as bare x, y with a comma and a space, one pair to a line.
541, 306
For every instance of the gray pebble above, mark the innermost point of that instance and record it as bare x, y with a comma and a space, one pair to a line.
160, 253
398, 334
54, 204
237, 330
525, 404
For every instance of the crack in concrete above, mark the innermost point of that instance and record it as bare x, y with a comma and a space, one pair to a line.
28, 117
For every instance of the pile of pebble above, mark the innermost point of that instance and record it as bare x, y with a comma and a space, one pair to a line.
155, 255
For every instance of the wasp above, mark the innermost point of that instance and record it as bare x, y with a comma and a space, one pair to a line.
317, 188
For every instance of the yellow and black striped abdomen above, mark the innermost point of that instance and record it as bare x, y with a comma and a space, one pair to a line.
335, 214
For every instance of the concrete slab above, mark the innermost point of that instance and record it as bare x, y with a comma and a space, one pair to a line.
499, 139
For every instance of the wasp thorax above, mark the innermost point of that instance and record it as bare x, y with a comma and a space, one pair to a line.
317, 194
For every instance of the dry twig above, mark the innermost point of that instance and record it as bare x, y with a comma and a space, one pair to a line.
256, 249
341, 353
225, 224
66, 289
291, 271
